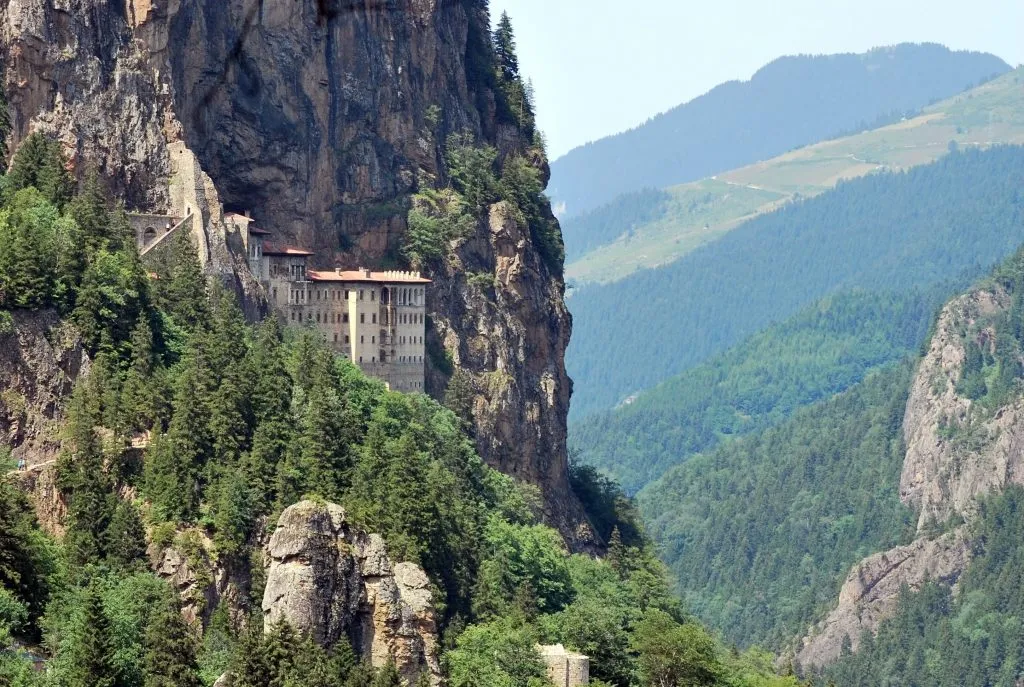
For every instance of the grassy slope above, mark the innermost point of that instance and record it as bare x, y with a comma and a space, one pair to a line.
991, 113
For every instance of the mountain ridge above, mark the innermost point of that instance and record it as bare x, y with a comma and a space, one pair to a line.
648, 156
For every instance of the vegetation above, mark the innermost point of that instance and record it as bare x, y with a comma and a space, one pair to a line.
703, 211
793, 101
959, 214
970, 640
246, 420
823, 350
477, 177
761, 531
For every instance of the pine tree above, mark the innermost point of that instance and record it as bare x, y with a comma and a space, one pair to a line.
388, 676
505, 49
137, 397
89, 210
83, 480
27, 255
125, 538
229, 401
181, 289
170, 650
93, 663
250, 666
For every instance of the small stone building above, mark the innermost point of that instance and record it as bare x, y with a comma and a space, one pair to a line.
565, 668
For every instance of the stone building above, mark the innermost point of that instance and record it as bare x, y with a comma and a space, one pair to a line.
565, 668
375, 319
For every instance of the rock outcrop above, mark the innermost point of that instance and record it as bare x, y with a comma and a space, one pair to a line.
871, 591
953, 457
319, 118
336, 583
40, 359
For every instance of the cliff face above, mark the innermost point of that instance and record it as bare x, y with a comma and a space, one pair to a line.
314, 116
40, 359
944, 474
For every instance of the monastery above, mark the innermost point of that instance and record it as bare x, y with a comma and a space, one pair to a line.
375, 319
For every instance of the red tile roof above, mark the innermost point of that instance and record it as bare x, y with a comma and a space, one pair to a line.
394, 277
275, 249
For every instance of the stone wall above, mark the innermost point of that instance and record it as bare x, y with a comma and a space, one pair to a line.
565, 668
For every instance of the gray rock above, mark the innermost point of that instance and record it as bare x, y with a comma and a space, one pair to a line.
336, 583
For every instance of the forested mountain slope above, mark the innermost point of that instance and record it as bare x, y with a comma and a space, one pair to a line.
961, 475
821, 351
892, 231
791, 102
761, 531
616, 239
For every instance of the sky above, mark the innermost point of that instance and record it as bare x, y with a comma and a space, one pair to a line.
598, 70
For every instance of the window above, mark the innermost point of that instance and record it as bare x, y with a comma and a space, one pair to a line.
344, 317
346, 294
293, 316
318, 318
335, 338
275, 293
373, 295
360, 358
373, 359
374, 318
362, 318
361, 294
362, 339
346, 339
373, 339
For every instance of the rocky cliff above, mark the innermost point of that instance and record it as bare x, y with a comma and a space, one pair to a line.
955, 454
319, 118
40, 359
336, 583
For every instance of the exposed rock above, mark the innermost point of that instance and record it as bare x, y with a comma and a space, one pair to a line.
943, 477
871, 591
336, 583
317, 124
40, 483
40, 359
201, 579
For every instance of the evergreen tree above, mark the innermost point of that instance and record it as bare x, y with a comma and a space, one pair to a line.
505, 49
91, 213
27, 256
138, 400
387, 676
93, 663
181, 289
125, 537
83, 479
170, 649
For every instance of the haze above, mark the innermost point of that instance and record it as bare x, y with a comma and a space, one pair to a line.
598, 69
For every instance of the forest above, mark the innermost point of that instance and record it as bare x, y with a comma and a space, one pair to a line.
955, 217
823, 350
791, 102
761, 531
972, 639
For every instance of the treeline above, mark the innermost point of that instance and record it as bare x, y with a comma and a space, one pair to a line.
791, 102
241, 421
888, 232
823, 350
761, 531
972, 639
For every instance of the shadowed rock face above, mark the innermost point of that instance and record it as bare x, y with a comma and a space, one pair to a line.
317, 123
336, 583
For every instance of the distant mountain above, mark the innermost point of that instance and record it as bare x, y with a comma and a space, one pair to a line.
887, 231
791, 102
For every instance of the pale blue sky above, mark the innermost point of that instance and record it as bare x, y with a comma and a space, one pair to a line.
600, 66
